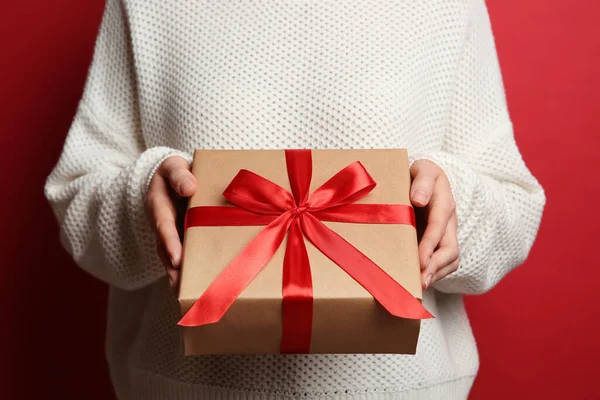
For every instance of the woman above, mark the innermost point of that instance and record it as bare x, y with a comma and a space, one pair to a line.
169, 77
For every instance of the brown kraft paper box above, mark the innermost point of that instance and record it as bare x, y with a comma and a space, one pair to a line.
346, 318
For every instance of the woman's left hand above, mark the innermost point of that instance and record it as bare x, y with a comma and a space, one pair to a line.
438, 247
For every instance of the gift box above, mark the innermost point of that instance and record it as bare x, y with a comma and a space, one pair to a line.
300, 251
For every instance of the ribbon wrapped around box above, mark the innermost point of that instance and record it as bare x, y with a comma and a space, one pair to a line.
300, 251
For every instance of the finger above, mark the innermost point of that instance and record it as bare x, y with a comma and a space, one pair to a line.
443, 272
177, 171
424, 177
174, 282
164, 216
441, 209
172, 273
162, 253
445, 255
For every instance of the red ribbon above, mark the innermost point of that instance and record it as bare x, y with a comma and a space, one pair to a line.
262, 202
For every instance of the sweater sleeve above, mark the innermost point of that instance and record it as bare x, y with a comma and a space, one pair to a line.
499, 203
97, 188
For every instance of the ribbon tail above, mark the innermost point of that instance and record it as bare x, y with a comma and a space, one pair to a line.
389, 293
228, 285
297, 305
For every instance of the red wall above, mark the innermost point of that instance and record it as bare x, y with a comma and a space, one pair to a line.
536, 332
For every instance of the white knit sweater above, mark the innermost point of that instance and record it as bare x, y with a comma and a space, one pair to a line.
171, 76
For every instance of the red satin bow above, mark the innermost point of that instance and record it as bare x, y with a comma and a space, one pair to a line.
262, 202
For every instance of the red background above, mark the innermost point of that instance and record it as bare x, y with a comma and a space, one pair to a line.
537, 330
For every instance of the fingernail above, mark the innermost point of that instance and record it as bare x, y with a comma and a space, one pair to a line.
187, 185
427, 281
420, 196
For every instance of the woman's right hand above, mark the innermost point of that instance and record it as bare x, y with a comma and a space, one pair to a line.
169, 189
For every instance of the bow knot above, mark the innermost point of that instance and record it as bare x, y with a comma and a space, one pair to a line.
296, 212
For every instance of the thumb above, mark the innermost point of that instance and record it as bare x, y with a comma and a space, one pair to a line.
423, 182
177, 170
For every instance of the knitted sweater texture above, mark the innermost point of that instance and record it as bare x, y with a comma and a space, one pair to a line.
168, 77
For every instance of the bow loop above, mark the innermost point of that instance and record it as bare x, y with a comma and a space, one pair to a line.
257, 194
347, 186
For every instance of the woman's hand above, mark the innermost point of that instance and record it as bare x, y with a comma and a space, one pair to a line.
438, 247
171, 184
